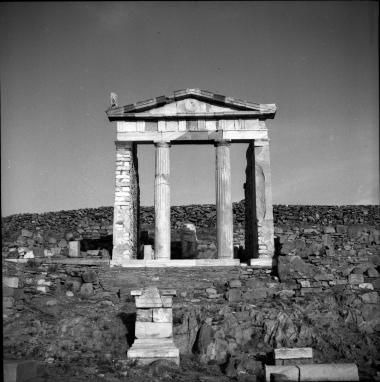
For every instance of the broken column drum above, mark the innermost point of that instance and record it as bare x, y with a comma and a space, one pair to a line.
154, 326
192, 116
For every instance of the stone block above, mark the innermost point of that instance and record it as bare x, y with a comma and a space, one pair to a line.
19, 294
305, 283
144, 315
26, 233
167, 301
370, 298
74, 248
234, 295
62, 243
355, 278
256, 294
147, 351
90, 276
162, 315
148, 302
372, 272
86, 290
153, 330
291, 353
211, 291
329, 229
8, 292
305, 291
11, 282
148, 252
19, 371
235, 283
29, 255
313, 372
168, 292
366, 286
8, 302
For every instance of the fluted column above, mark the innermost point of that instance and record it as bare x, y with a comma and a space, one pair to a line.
224, 218
162, 202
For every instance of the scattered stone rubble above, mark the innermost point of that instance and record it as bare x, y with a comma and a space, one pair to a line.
323, 294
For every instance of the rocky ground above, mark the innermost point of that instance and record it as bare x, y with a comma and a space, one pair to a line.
225, 330
77, 319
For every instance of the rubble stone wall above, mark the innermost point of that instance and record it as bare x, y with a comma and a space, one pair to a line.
35, 232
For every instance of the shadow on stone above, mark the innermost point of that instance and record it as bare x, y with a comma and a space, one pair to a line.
104, 242
277, 253
129, 321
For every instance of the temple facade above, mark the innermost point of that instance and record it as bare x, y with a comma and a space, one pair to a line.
201, 117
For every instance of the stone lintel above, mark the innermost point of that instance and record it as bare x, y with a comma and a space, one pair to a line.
188, 136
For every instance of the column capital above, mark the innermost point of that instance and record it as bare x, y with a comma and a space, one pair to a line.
222, 142
162, 144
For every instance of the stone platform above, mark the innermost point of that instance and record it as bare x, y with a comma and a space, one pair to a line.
148, 350
190, 263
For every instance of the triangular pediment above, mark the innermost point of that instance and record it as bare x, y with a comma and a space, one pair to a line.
189, 101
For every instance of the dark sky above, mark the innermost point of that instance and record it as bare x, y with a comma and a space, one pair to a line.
59, 61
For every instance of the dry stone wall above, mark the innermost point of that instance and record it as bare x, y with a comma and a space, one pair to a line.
23, 233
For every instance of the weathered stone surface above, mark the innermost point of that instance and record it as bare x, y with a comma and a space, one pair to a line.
148, 302
355, 278
234, 284
234, 295
26, 233
147, 351
144, 315
167, 301
290, 353
189, 241
11, 282
86, 290
20, 371
62, 243
372, 272
162, 315
148, 252
8, 302
90, 276
74, 248
370, 297
147, 330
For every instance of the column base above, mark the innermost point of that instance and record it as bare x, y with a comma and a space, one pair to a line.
146, 351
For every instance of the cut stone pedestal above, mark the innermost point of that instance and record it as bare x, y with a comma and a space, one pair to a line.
154, 326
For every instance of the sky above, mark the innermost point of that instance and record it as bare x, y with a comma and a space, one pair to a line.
59, 61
